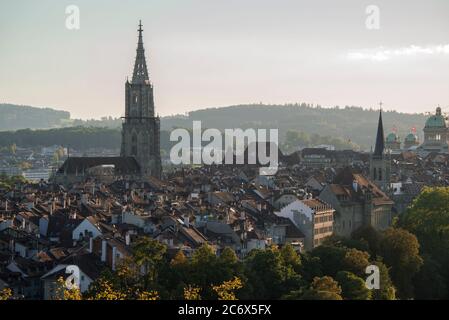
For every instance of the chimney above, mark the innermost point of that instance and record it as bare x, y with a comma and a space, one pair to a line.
355, 185
91, 245
84, 198
127, 239
114, 257
103, 250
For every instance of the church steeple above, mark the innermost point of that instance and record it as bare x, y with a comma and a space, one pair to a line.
140, 74
380, 165
141, 129
380, 141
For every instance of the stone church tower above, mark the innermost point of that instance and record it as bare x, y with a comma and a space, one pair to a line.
380, 162
141, 129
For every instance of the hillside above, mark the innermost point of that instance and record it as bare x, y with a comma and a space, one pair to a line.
349, 125
14, 117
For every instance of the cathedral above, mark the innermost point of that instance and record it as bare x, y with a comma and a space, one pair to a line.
141, 129
140, 148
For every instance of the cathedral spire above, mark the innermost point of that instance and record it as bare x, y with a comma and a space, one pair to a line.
380, 142
140, 74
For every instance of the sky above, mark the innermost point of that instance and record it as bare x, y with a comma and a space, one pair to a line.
212, 53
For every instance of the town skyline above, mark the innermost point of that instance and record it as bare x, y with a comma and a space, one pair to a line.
276, 55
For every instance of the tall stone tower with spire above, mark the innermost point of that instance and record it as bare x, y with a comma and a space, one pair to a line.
380, 162
141, 128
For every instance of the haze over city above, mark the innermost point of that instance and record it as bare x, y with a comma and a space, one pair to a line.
218, 53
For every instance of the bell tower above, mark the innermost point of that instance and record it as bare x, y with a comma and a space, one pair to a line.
140, 127
380, 162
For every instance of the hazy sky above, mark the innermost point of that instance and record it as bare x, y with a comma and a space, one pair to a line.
210, 53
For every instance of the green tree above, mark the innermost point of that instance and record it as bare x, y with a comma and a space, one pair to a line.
352, 286
429, 282
266, 274
387, 291
428, 219
331, 258
149, 253
291, 258
371, 236
356, 261
324, 288
400, 250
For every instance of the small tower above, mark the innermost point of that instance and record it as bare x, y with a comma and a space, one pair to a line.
380, 162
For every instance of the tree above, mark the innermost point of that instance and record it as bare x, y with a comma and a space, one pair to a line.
371, 236
331, 258
353, 287
400, 250
324, 288
192, 293
5, 294
387, 291
356, 261
429, 282
226, 291
428, 219
265, 272
149, 253
290, 258
310, 267
62, 293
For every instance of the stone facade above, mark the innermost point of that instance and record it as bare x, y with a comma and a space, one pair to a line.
141, 129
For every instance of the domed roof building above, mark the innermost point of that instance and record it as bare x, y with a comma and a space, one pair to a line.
410, 141
435, 134
393, 142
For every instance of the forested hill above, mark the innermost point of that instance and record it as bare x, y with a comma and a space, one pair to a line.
13, 117
349, 123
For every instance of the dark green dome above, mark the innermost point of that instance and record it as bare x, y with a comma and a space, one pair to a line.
436, 121
392, 137
411, 137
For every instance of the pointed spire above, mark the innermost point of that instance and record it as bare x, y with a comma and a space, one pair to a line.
380, 142
140, 73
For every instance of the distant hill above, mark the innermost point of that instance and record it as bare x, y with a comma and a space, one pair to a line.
13, 117
344, 126
348, 123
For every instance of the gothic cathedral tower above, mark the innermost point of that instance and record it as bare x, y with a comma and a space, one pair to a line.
380, 165
141, 129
